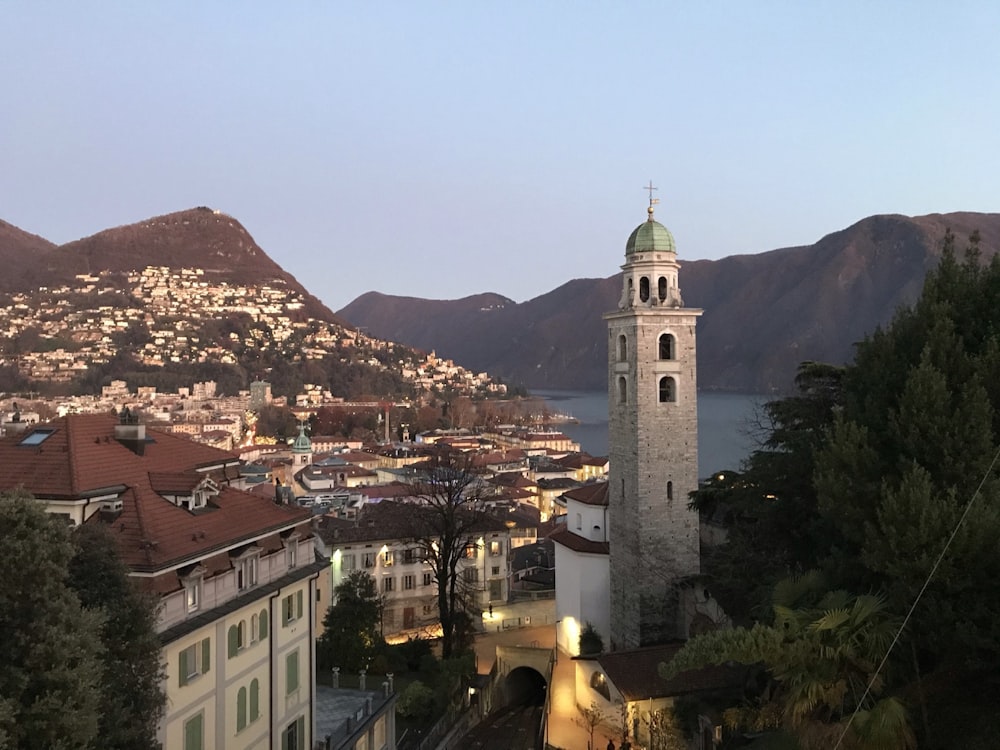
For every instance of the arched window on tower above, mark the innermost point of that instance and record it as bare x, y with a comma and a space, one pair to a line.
661, 288
668, 390
622, 348
667, 346
644, 289
622, 391
670, 490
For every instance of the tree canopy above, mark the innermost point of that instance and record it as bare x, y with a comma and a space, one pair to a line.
883, 475
50, 645
131, 678
352, 627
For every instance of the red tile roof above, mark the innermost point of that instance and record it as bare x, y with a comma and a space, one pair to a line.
595, 493
81, 458
567, 538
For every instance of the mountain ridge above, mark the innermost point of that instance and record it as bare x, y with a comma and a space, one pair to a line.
763, 313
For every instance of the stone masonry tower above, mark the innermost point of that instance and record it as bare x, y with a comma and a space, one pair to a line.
653, 443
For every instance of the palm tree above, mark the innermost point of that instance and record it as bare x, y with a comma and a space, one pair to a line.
822, 656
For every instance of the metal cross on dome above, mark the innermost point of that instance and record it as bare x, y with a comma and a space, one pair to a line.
652, 201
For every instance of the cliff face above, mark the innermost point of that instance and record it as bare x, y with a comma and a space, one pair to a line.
764, 314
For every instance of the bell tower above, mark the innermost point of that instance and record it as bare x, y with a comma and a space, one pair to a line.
653, 442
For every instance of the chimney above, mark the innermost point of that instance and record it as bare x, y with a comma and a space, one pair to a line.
361, 680
389, 677
336, 677
130, 433
368, 706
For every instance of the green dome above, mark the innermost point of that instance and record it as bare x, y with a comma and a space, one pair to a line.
302, 443
650, 236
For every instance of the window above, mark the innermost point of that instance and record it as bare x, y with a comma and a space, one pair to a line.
369, 559
292, 672
241, 709
644, 289
495, 570
347, 562
246, 573
428, 579
670, 490
668, 391
471, 575
428, 609
622, 348
37, 437
263, 622
470, 551
388, 584
667, 346
254, 628
622, 391
254, 700
294, 735
579, 521
661, 288
237, 638
194, 732
496, 549
387, 558
195, 660
192, 593
600, 683
409, 582
410, 556
291, 608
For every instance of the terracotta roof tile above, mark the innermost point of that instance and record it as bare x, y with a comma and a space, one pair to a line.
81, 457
567, 538
595, 493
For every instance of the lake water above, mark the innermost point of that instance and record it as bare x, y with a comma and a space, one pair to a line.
724, 421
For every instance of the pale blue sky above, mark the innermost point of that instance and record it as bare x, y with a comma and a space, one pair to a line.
444, 149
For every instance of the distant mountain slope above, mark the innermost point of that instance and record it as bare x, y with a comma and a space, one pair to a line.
764, 314
21, 258
194, 238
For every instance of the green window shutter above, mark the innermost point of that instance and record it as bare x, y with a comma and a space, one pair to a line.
234, 641
206, 655
300, 732
291, 673
182, 668
241, 709
264, 622
298, 604
254, 699
193, 733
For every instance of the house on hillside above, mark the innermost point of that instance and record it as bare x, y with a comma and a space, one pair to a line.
236, 573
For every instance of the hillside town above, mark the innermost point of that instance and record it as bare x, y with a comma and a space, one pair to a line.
179, 316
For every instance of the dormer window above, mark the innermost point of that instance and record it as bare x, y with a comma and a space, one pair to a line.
192, 582
192, 595
245, 565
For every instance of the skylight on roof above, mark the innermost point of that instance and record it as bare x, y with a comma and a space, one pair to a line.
36, 437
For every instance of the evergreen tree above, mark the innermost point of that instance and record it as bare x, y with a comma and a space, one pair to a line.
132, 699
352, 626
50, 646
